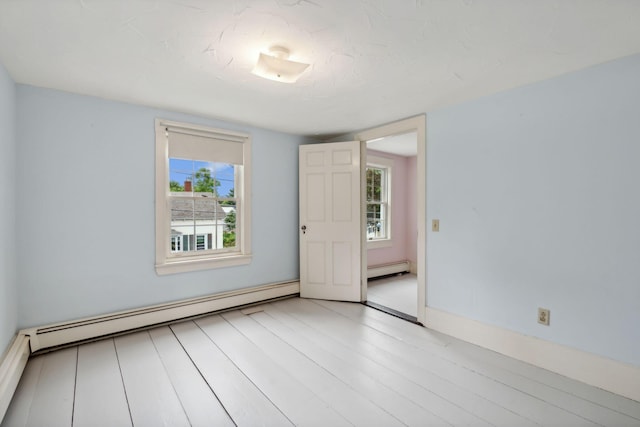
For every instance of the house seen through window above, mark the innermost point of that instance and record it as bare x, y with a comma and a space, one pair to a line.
203, 205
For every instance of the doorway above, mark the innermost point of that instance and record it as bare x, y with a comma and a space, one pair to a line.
333, 263
391, 224
394, 210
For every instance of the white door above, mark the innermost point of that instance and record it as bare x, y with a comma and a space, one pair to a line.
330, 215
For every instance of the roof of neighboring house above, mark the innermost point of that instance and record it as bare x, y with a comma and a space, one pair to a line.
206, 208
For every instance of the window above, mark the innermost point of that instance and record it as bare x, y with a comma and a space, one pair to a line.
376, 203
378, 178
202, 214
176, 243
201, 243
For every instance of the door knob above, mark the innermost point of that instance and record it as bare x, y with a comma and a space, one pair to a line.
304, 229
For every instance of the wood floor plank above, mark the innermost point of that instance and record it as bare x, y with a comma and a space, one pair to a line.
52, 403
349, 403
293, 398
451, 411
584, 391
566, 400
409, 368
370, 384
491, 400
244, 402
100, 396
399, 292
18, 410
378, 320
540, 410
198, 400
477, 354
152, 399
302, 362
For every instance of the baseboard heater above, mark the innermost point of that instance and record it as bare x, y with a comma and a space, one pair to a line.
101, 326
386, 269
28, 341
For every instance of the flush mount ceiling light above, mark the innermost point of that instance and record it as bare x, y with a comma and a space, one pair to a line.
276, 66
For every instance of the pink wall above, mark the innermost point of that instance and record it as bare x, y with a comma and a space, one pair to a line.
403, 213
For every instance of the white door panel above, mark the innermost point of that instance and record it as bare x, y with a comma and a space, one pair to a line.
330, 214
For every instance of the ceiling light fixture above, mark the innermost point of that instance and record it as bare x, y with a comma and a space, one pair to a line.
276, 66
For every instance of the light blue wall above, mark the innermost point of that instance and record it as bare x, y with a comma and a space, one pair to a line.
86, 201
536, 190
8, 291
538, 194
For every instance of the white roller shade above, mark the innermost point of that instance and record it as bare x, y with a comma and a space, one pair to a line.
186, 144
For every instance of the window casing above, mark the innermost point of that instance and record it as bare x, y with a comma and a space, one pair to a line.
202, 208
378, 197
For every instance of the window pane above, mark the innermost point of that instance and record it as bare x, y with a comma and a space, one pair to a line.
226, 176
188, 175
375, 183
209, 219
182, 174
229, 233
182, 220
376, 221
373, 221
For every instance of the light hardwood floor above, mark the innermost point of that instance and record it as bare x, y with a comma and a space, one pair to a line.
301, 362
399, 292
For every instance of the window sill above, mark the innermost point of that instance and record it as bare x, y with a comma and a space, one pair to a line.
377, 244
185, 265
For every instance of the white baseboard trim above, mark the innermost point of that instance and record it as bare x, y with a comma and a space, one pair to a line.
413, 267
90, 328
598, 371
12, 365
391, 268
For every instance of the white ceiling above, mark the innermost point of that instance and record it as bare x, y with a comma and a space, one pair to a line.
374, 61
405, 145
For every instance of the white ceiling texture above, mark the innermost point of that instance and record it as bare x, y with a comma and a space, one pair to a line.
373, 61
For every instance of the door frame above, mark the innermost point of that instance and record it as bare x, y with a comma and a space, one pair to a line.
416, 124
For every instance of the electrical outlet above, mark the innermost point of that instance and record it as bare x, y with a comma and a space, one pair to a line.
435, 225
543, 316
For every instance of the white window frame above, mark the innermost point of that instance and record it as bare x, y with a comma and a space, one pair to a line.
168, 262
387, 165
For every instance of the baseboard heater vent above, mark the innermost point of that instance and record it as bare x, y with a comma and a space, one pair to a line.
386, 269
101, 326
